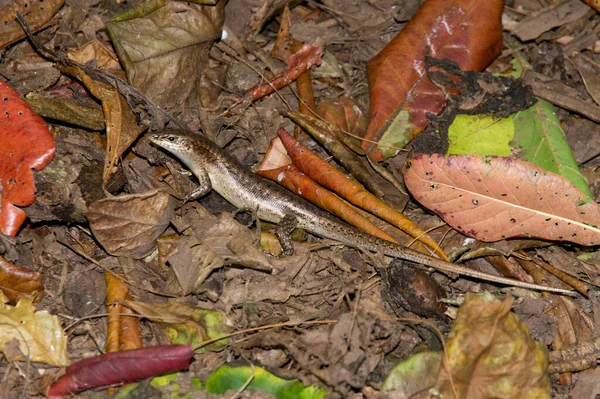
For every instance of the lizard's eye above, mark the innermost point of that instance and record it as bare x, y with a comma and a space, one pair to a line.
171, 138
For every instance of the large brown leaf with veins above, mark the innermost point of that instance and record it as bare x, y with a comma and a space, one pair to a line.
468, 32
492, 198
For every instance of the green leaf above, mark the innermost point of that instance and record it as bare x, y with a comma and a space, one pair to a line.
539, 139
533, 135
415, 374
480, 134
233, 378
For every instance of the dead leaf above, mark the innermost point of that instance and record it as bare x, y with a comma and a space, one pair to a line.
185, 324
36, 12
122, 332
401, 93
121, 124
40, 336
550, 17
327, 175
216, 242
25, 144
128, 225
18, 283
492, 198
490, 354
299, 62
104, 57
165, 49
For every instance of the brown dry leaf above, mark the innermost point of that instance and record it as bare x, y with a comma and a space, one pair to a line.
121, 124
492, 198
490, 354
550, 17
590, 73
104, 57
216, 242
128, 225
165, 49
17, 283
36, 12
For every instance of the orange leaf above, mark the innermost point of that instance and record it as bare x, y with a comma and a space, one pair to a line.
492, 198
25, 144
468, 32
291, 178
328, 176
17, 283
123, 332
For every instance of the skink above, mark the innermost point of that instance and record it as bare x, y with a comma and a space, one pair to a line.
217, 170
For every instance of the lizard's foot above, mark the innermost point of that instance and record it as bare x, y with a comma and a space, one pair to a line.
283, 231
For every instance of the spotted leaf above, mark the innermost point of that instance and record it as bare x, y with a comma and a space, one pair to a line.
492, 198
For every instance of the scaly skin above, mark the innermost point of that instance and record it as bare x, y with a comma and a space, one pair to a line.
245, 190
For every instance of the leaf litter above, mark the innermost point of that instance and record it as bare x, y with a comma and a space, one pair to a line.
133, 199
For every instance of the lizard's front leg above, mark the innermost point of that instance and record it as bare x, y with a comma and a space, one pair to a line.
204, 185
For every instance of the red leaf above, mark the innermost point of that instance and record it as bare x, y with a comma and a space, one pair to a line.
492, 198
468, 32
298, 63
120, 367
25, 144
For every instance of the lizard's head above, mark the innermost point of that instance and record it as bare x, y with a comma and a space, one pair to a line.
178, 142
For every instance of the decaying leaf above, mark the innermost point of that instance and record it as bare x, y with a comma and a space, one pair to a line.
286, 174
36, 12
216, 242
185, 324
232, 377
128, 225
490, 354
25, 144
39, 335
121, 124
492, 198
299, 62
550, 17
164, 48
330, 177
122, 332
401, 93
18, 283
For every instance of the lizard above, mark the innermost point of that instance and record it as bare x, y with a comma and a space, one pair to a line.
217, 170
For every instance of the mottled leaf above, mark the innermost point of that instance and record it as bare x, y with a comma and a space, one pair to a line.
493, 198
164, 47
39, 335
401, 94
231, 377
490, 354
